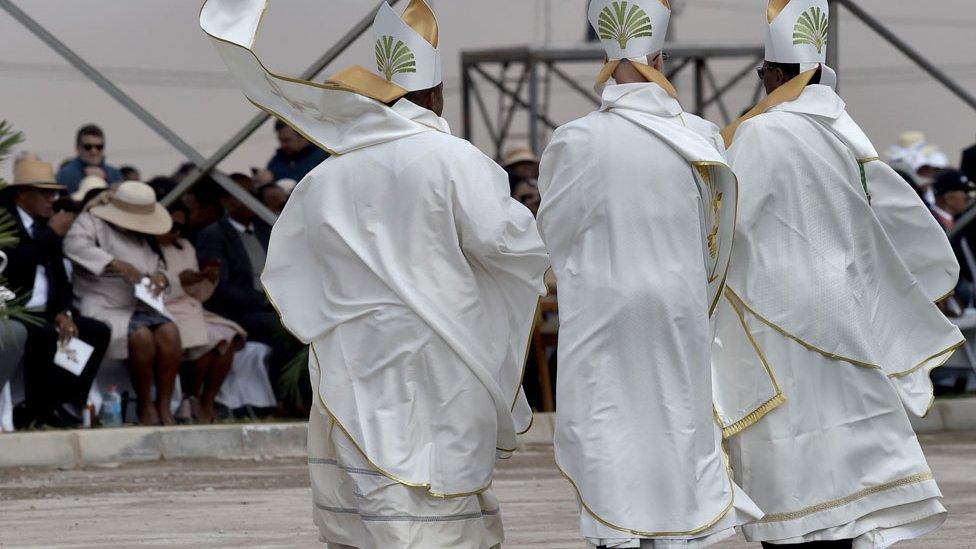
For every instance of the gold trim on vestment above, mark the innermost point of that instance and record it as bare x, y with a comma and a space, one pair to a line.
640, 533
318, 367
783, 94
947, 295
946, 353
911, 371
808, 346
377, 89
780, 517
647, 71
778, 398
774, 9
385, 473
735, 221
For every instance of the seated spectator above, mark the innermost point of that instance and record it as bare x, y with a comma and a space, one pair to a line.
209, 341
182, 171
203, 203
130, 173
162, 186
522, 164
968, 163
90, 146
250, 183
113, 248
238, 243
91, 186
296, 156
952, 190
13, 337
526, 192
273, 196
37, 267
287, 185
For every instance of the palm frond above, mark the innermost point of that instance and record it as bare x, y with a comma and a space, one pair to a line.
811, 28
394, 57
290, 379
621, 24
9, 138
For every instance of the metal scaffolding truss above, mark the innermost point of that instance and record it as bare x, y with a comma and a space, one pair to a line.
529, 90
523, 79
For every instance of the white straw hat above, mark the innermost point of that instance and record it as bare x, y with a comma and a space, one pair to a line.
134, 207
88, 184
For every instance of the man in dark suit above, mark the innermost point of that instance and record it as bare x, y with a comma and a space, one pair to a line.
968, 164
37, 273
238, 244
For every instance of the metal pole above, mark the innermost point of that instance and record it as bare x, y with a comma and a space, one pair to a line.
252, 126
533, 105
510, 113
579, 88
833, 39
902, 46
135, 108
518, 100
700, 87
465, 101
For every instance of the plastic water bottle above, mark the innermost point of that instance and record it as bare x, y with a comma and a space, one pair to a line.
111, 415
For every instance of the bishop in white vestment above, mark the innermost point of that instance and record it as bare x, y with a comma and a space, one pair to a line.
404, 264
638, 211
830, 305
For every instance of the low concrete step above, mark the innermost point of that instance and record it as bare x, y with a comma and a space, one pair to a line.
87, 447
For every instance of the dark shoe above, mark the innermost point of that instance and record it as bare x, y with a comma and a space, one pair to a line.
59, 418
23, 417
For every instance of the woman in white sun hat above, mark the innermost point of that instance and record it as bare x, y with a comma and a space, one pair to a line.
114, 248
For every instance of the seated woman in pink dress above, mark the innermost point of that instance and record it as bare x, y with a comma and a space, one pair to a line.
209, 340
113, 247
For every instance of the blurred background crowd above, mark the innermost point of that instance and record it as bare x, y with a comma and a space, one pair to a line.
87, 233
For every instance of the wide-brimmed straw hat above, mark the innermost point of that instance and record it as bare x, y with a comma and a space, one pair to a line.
134, 207
34, 173
517, 155
88, 184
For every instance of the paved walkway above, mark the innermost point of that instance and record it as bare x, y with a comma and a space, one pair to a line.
259, 503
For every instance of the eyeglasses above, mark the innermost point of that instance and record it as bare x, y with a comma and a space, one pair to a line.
93, 146
761, 71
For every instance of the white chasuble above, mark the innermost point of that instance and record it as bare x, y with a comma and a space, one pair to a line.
638, 210
415, 278
830, 301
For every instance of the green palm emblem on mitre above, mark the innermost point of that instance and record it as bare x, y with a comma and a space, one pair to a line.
811, 28
619, 23
394, 57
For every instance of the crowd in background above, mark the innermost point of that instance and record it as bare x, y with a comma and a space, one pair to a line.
91, 232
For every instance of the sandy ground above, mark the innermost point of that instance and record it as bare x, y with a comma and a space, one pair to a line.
265, 503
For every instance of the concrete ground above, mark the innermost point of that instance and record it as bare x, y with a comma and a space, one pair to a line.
265, 503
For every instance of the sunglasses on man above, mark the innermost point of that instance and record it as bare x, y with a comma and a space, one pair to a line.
93, 146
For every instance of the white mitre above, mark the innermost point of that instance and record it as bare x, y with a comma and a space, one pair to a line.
796, 32
631, 30
407, 52
349, 110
